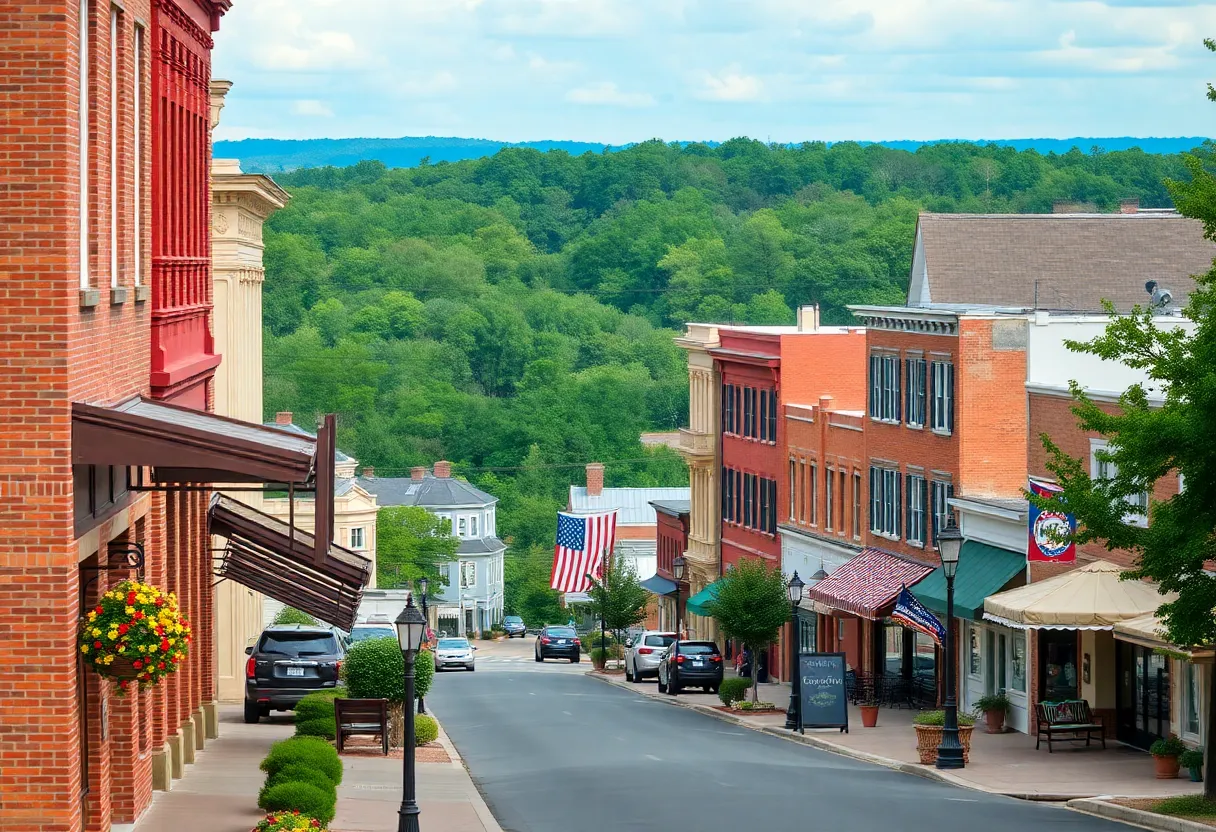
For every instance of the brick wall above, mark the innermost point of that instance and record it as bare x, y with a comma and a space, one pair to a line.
991, 402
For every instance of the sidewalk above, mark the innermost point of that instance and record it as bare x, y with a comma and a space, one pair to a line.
219, 792
1005, 764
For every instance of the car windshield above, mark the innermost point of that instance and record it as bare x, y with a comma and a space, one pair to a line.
364, 633
453, 643
659, 640
512, 619
694, 649
561, 632
293, 644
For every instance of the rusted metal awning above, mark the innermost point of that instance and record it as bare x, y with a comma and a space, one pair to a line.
264, 555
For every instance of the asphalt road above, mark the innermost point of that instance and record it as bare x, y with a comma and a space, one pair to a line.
566, 753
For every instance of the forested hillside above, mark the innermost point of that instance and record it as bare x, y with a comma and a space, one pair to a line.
517, 312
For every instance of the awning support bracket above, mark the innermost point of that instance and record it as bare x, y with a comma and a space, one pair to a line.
132, 554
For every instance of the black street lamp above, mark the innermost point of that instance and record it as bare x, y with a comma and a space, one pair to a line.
603, 603
949, 544
677, 569
794, 588
411, 630
424, 583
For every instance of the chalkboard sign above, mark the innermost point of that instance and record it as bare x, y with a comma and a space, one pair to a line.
823, 701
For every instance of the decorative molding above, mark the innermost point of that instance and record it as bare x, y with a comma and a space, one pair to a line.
219, 223
248, 228
923, 326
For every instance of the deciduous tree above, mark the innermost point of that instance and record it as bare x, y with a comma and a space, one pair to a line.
752, 606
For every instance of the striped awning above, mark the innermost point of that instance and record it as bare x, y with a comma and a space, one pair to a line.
868, 583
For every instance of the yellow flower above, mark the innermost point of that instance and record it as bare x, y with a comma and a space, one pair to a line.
108, 660
112, 635
152, 648
96, 632
143, 648
141, 598
130, 610
172, 642
84, 648
122, 648
92, 616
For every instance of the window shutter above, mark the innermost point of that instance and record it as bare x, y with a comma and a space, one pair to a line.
908, 512
873, 498
898, 376
898, 495
873, 385
924, 390
933, 514
924, 500
950, 396
949, 496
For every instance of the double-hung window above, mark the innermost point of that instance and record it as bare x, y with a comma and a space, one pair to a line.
884, 387
943, 397
857, 504
813, 494
1102, 469
917, 493
829, 516
885, 487
356, 538
941, 492
468, 574
916, 383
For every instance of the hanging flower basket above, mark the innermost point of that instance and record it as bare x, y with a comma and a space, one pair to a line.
135, 635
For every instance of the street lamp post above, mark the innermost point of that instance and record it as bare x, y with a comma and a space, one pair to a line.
794, 588
603, 604
949, 543
411, 630
677, 569
424, 584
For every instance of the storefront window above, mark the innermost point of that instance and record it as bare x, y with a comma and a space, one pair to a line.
806, 633
1018, 682
1058, 651
974, 643
1192, 699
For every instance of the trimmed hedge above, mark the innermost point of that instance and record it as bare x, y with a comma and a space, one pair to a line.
316, 705
325, 727
296, 773
375, 669
314, 752
305, 798
733, 689
426, 729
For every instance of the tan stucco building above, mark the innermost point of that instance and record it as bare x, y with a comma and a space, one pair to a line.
241, 202
699, 447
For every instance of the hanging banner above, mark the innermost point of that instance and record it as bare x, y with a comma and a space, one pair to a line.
1048, 530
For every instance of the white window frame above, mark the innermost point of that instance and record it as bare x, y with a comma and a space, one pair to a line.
1100, 469
473, 525
940, 492
884, 516
82, 118
115, 18
1019, 635
1187, 701
358, 540
942, 405
468, 574
917, 377
137, 140
916, 493
857, 505
462, 526
829, 488
885, 387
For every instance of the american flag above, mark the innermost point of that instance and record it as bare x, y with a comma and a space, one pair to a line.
582, 542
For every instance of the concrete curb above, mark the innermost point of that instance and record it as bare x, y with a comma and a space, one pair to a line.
479, 804
1136, 817
822, 744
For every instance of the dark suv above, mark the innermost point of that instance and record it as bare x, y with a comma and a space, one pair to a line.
697, 664
289, 662
557, 643
513, 625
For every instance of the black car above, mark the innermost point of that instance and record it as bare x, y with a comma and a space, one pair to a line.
513, 626
698, 664
289, 662
557, 643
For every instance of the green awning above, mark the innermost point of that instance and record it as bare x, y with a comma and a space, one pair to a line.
983, 570
696, 604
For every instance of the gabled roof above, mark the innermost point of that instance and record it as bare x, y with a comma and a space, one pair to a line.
633, 504
429, 492
1076, 260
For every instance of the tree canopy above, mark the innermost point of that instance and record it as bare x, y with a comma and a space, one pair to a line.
752, 606
618, 598
412, 543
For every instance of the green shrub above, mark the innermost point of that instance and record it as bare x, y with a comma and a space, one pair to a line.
1191, 758
315, 706
938, 718
1171, 746
304, 798
375, 669
598, 656
309, 751
1191, 805
297, 773
290, 615
591, 640
733, 690
426, 729
991, 702
323, 726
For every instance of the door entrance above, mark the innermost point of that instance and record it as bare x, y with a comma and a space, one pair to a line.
1143, 696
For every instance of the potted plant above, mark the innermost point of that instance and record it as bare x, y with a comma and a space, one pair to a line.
929, 725
134, 635
1165, 756
869, 713
993, 708
1192, 761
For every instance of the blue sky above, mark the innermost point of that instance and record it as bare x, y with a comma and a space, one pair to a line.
782, 70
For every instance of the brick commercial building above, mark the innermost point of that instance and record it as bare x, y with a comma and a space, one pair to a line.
107, 370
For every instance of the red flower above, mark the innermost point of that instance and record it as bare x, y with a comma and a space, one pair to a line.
99, 610
97, 644
174, 658
123, 683
160, 665
138, 616
122, 629
131, 598
164, 644
160, 602
160, 631
137, 664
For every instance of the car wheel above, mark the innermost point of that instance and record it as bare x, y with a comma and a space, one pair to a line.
252, 713
472, 668
662, 687
575, 660
672, 688
629, 677
712, 689
538, 658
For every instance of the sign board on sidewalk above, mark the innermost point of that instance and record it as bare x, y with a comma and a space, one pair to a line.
823, 701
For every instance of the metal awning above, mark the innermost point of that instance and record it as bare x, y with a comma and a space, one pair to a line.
659, 585
264, 555
868, 584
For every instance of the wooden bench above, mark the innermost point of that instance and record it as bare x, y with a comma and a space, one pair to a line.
1071, 718
361, 718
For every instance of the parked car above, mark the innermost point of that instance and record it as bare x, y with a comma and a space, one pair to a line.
557, 642
369, 629
514, 627
288, 662
455, 652
643, 652
697, 664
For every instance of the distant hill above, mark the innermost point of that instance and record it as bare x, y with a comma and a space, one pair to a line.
278, 155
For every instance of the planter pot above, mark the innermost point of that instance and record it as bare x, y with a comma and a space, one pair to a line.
995, 720
869, 716
929, 737
1166, 767
1196, 774
122, 669
599, 665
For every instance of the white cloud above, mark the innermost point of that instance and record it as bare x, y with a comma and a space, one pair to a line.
553, 69
312, 107
731, 85
606, 92
317, 51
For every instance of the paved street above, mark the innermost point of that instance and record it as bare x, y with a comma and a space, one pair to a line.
557, 751
517, 655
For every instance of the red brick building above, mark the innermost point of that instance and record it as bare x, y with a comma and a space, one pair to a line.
104, 310
671, 542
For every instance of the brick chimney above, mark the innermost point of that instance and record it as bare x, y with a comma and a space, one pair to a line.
595, 479
369, 472
825, 403
808, 318
443, 469
417, 474
1129, 206
283, 417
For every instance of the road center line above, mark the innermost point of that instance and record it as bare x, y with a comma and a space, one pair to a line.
652, 757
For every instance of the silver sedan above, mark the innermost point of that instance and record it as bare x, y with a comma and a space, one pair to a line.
454, 652
642, 654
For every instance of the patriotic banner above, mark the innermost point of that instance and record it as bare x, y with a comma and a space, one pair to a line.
1046, 528
582, 542
912, 613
